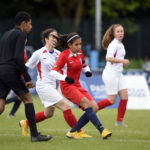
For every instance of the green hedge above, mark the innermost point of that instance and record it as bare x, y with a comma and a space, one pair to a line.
135, 64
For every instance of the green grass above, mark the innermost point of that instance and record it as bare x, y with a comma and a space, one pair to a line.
135, 137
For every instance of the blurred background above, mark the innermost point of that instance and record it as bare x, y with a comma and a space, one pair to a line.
83, 17
90, 19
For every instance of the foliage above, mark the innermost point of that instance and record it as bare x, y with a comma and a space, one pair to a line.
75, 9
135, 64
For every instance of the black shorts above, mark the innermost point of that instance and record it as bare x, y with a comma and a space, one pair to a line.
12, 81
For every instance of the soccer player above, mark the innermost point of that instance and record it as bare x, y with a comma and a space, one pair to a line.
12, 67
112, 75
46, 85
71, 61
15, 98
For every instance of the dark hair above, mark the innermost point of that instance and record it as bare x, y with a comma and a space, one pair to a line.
65, 39
46, 33
22, 16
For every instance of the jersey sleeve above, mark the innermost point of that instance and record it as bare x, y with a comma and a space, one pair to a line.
19, 56
60, 63
33, 60
85, 67
111, 50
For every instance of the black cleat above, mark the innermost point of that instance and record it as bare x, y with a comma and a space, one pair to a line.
40, 138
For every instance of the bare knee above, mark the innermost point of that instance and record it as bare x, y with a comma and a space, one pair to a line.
26, 98
2, 105
112, 98
62, 105
85, 103
49, 112
49, 115
94, 106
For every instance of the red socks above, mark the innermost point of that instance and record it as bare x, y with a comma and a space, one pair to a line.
121, 110
38, 117
103, 103
70, 118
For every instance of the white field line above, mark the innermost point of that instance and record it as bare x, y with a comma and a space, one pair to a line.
94, 138
88, 130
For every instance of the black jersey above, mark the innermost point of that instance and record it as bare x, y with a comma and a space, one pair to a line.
12, 46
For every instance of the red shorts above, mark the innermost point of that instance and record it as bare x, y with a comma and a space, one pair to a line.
75, 93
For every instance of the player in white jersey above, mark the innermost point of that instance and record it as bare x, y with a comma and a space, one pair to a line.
112, 75
44, 59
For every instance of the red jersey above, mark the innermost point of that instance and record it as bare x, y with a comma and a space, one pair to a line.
71, 64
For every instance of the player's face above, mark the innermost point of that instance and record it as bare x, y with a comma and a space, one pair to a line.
27, 27
119, 33
53, 39
75, 47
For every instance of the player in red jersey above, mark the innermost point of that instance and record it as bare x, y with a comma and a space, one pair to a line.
71, 61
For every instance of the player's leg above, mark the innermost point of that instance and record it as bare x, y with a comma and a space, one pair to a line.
123, 94
70, 119
77, 96
111, 84
39, 116
15, 107
90, 115
122, 108
2, 105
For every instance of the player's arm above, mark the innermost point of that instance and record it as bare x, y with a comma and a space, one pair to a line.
85, 67
60, 63
111, 55
19, 56
33, 60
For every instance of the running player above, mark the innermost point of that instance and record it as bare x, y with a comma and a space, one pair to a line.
72, 62
112, 75
44, 59
12, 67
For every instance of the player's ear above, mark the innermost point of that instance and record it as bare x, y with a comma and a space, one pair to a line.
69, 44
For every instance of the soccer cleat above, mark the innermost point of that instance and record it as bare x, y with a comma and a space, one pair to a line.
73, 135
120, 124
40, 138
106, 134
82, 134
24, 127
11, 116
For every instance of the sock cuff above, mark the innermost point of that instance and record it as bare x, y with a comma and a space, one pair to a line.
123, 100
67, 111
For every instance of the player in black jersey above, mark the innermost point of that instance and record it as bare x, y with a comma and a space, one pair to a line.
12, 67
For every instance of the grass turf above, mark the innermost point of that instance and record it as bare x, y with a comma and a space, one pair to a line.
134, 137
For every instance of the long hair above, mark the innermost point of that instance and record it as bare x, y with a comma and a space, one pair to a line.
109, 35
65, 39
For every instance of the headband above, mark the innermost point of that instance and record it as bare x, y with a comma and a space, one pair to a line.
72, 38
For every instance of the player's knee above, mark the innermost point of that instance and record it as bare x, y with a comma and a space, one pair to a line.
2, 105
2, 108
49, 115
85, 103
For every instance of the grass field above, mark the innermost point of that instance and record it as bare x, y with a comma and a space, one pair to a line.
134, 137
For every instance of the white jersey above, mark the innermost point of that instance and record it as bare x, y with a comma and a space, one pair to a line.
44, 61
115, 50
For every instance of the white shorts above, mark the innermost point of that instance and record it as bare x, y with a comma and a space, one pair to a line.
48, 94
114, 82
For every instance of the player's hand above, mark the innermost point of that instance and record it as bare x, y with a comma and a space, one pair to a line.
30, 84
88, 74
69, 80
126, 63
